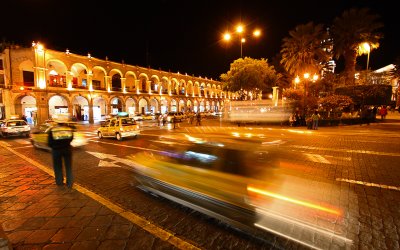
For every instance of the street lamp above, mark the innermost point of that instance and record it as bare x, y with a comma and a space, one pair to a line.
241, 35
368, 49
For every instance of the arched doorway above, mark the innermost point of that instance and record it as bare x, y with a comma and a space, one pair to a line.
58, 105
116, 106
182, 106
80, 108
143, 106
99, 109
196, 106
130, 107
202, 106
154, 106
28, 108
189, 106
164, 106
173, 105
208, 106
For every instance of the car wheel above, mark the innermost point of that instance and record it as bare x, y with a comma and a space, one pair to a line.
118, 136
100, 135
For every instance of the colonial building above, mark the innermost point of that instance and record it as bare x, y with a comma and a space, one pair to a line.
39, 83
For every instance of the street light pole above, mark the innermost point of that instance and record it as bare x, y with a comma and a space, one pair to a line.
368, 49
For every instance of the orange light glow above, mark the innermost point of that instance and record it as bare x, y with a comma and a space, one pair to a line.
21, 88
294, 201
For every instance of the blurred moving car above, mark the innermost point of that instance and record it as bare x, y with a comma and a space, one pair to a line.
119, 128
14, 127
179, 116
40, 134
223, 179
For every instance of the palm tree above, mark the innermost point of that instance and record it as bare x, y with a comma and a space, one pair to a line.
306, 50
352, 28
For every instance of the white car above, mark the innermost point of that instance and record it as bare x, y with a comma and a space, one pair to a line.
14, 127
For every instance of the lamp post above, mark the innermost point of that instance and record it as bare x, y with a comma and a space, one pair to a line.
241, 35
306, 79
368, 49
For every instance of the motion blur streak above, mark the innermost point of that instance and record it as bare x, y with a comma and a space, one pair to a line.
303, 203
326, 232
299, 132
286, 236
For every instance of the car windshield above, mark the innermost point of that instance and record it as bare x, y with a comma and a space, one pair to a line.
16, 123
127, 122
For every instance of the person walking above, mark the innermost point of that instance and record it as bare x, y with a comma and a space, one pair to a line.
198, 119
383, 112
59, 140
315, 118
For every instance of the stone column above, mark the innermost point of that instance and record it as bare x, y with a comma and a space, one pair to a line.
123, 84
275, 95
91, 118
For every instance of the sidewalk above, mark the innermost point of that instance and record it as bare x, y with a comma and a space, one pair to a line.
37, 214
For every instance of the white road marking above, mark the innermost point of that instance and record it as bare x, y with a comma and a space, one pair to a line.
370, 184
317, 158
347, 150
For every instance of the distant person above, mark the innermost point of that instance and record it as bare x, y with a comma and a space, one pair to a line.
315, 118
383, 112
24, 118
59, 140
198, 119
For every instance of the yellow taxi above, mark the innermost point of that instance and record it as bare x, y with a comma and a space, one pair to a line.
40, 134
119, 128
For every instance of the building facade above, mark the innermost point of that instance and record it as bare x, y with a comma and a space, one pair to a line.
40, 83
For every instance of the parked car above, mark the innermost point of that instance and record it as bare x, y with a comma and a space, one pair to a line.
14, 127
118, 127
179, 116
40, 134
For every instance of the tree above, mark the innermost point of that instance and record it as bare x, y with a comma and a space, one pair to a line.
335, 102
349, 31
249, 76
306, 50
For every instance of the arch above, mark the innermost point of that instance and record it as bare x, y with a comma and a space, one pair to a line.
195, 106
130, 81
164, 85
99, 108
143, 104
182, 87
80, 108
116, 84
98, 78
154, 105
173, 105
201, 106
116, 105
164, 105
26, 105
131, 105
58, 104
181, 106
189, 106
154, 82
79, 73
56, 73
143, 78
174, 86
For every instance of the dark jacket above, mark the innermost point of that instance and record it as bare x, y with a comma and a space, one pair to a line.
60, 137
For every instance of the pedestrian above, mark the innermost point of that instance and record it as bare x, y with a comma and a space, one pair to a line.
198, 119
59, 140
315, 118
24, 118
383, 112
160, 120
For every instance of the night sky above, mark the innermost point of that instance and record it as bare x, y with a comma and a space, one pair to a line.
184, 36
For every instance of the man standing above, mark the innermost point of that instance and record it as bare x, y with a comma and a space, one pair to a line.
315, 118
59, 140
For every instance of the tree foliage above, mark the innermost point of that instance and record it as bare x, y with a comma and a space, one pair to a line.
305, 49
352, 28
248, 75
335, 102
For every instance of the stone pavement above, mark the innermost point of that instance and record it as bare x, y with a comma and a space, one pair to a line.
37, 214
